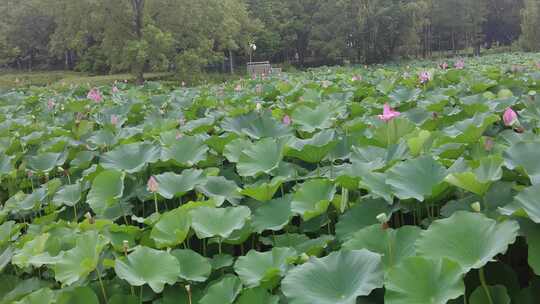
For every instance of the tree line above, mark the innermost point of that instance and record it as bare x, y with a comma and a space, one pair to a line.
188, 36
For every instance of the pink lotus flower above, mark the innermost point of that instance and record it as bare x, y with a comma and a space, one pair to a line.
183, 83
460, 64
424, 77
388, 113
115, 90
238, 88
95, 95
443, 66
258, 89
179, 135
114, 120
488, 144
510, 117
50, 104
356, 78
153, 185
286, 120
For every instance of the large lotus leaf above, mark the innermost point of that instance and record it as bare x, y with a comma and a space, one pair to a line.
420, 280
527, 200
220, 189
78, 262
417, 178
390, 133
209, 222
264, 268
257, 295
45, 162
532, 234
175, 185
490, 169
361, 215
471, 239
338, 278
171, 229
310, 120
393, 245
68, 195
41, 296
186, 151
261, 157
22, 201
375, 183
315, 149
263, 190
234, 149
78, 295
524, 155
497, 295
299, 242
256, 125
313, 197
468, 181
193, 266
470, 130
36, 247
130, 158
223, 291
273, 215
148, 266
5, 164
107, 189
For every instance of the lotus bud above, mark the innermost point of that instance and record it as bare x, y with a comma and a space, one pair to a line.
286, 120
179, 135
188, 288
50, 104
89, 217
125, 245
510, 117
114, 120
488, 144
153, 185
476, 207
258, 107
382, 218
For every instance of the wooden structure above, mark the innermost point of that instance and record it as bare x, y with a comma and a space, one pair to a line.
259, 68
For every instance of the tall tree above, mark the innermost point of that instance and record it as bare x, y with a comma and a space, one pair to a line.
530, 39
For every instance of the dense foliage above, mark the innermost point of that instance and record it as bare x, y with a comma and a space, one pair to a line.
185, 36
390, 184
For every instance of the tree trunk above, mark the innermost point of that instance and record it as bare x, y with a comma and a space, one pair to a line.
138, 15
231, 62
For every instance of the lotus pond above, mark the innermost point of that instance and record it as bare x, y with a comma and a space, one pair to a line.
399, 184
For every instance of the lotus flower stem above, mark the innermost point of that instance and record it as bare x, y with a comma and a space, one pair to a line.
155, 202
482, 276
75, 216
101, 285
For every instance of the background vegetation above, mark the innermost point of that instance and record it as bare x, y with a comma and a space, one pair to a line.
186, 36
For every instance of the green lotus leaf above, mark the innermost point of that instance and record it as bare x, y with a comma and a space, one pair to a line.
6, 256
471, 239
390, 133
175, 185
193, 266
130, 158
261, 157
263, 190
528, 201
209, 222
497, 295
5, 164
107, 189
26, 255
532, 234
468, 181
171, 229
78, 295
469, 130
41, 296
490, 169
417, 178
256, 125
313, 198
178, 295
45, 162
273, 215
234, 149
361, 215
299, 242
103, 138
25, 202
312, 119
148, 266
264, 268
338, 278
77, 263
220, 189
421, 280
14, 289
524, 155
315, 149
221, 261
257, 295
392, 245
375, 183
68, 195
223, 291
186, 151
